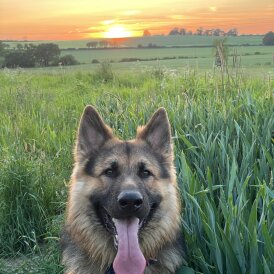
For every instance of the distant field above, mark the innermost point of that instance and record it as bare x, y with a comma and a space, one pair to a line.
204, 57
175, 40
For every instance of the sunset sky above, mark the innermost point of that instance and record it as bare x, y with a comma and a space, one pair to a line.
80, 19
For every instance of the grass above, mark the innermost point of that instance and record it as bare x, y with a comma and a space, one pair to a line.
224, 159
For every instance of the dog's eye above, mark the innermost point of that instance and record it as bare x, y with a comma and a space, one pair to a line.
109, 172
144, 173
112, 171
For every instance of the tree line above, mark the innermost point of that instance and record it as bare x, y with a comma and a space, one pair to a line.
114, 42
204, 32
30, 55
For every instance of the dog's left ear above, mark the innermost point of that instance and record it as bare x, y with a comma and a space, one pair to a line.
157, 132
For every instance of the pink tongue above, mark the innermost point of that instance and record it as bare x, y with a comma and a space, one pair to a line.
129, 258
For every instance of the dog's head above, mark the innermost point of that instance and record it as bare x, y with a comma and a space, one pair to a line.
129, 185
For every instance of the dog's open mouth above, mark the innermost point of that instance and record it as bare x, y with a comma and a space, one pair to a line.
109, 222
129, 257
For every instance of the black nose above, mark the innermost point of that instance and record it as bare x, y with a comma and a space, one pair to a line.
130, 200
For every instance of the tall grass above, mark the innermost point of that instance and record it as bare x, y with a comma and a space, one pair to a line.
224, 159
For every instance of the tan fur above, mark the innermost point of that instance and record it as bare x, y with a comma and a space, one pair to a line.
97, 250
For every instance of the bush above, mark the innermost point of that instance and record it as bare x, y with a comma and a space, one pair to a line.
95, 61
129, 60
68, 60
23, 59
105, 72
268, 39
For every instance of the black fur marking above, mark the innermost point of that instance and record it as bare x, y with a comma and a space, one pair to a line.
128, 149
90, 164
160, 159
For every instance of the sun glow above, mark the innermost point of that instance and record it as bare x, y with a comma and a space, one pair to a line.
117, 31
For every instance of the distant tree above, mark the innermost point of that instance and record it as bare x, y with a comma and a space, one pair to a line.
113, 43
183, 31
103, 43
68, 60
146, 33
174, 31
222, 33
268, 39
200, 31
217, 32
47, 54
3, 48
22, 56
208, 32
232, 32
189, 32
94, 44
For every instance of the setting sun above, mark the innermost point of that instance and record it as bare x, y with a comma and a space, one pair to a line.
117, 31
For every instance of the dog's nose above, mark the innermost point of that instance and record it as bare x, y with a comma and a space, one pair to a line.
130, 200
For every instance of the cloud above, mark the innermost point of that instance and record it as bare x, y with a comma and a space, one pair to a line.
108, 22
213, 8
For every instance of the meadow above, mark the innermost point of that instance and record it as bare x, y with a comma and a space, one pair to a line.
223, 133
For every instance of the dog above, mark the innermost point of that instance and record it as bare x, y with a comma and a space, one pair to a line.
123, 213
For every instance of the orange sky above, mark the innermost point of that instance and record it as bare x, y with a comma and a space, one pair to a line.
79, 19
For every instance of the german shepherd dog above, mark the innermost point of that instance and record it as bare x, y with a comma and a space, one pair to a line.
123, 212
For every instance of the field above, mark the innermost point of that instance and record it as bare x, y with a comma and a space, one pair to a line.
175, 40
223, 132
194, 52
253, 56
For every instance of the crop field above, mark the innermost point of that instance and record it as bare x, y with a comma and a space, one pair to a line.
222, 128
252, 56
174, 40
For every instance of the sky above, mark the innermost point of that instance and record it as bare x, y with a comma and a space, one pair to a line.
83, 19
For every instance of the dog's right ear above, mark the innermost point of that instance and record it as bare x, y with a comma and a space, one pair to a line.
92, 133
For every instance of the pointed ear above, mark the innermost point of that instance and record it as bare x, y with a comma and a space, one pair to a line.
157, 132
92, 133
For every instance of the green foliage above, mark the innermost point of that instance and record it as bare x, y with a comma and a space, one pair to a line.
29, 55
221, 52
47, 54
3, 47
68, 60
23, 56
268, 39
104, 72
223, 153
